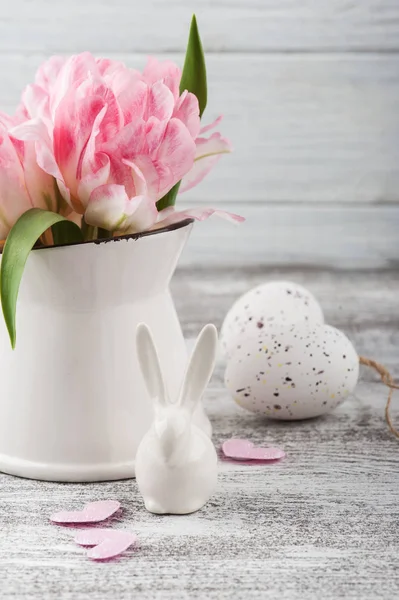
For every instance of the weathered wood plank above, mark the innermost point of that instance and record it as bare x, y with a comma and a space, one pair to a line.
341, 236
226, 25
320, 523
304, 128
363, 303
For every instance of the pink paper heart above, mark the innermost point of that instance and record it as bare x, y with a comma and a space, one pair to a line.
108, 542
93, 512
245, 450
266, 454
237, 448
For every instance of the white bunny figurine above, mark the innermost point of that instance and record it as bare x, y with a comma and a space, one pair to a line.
176, 462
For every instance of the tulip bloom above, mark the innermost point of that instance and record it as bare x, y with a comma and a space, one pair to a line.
23, 184
116, 140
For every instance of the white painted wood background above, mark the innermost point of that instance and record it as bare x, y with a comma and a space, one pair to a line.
310, 94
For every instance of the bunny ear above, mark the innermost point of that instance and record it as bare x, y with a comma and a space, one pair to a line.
200, 367
149, 363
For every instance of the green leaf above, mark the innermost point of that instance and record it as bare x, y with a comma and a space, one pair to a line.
193, 77
170, 198
64, 234
20, 241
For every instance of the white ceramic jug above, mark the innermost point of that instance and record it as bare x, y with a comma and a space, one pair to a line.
73, 405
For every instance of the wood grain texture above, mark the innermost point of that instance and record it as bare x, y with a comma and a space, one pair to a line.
53, 26
344, 236
322, 523
305, 128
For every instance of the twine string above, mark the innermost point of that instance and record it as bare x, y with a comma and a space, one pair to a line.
387, 379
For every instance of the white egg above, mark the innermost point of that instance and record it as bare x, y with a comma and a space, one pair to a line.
294, 371
274, 302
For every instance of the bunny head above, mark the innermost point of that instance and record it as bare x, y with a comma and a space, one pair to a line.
173, 415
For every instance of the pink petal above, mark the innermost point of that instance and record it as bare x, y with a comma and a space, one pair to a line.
37, 131
169, 215
128, 87
107, 207
33, 130
142, 214
244, 450
111, 208
176, 155
94, 512
108, 542
236, 448
48, 72
155, 132
160, 102
36, 101
216, 144
208, 153
125, 146
14, 197
187, 110
65, 193
199, 170
127, 143
266, 454
75, 70
95, 166
140, 183
132, 96
211, 125
39, 184
165, 71
109, 67
113, 119
93, 179
74, 123
154, 174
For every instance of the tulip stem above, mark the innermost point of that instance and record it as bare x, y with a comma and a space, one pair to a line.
103, 234
169, 199
89, 232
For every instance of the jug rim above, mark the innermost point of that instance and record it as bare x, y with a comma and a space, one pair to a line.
133, 236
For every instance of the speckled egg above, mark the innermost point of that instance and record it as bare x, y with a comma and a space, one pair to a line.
294, 371
274, 302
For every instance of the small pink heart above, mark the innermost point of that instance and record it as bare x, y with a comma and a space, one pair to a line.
266, 454
238, 449
91, 513
245, 450
108, 542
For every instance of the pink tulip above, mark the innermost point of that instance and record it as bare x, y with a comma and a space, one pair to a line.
116, 140
23, 184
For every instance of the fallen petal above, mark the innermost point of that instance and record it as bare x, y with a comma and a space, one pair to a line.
244, 450
108, 542
94, 512
266, 454
237, 449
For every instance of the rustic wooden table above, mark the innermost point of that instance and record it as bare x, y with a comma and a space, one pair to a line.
322, 523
